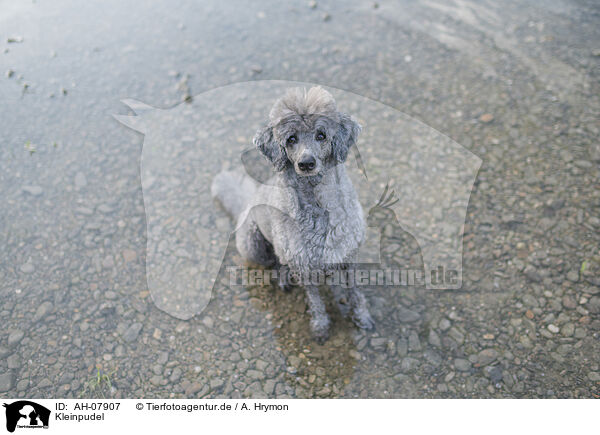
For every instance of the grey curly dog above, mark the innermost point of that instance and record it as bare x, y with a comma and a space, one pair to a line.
307, 216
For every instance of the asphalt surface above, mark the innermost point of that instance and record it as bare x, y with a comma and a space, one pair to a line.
514, 83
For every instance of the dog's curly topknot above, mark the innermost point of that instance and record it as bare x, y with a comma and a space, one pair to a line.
299, 101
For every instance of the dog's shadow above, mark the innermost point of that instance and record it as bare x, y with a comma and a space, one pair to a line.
315, 370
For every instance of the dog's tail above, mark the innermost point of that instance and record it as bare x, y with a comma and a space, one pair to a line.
234, 189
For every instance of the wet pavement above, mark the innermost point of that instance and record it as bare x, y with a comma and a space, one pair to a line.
516, 84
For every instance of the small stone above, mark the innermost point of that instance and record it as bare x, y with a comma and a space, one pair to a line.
406, 315
27, 268
256, 69
193, 388
486, 118
216, 383
108, 262
175, 375
32, 190
568, 329
444, 324
553, 329
378, 342
9, 73
43, 310
326, 17
131, 334
462, 365
409, 364
7, 381
44, 383
355, 354
529, 314
433, 357
129, 255
208, 322
110, 295
312, 4
105, 209
80, 180
569, 302
488, 336
593, 305
573, 275
434, 338
494, 373
594, 376
456, 335
487, 356
22, 385
157, 334
15, 337
13, 361
324, 392
414, 344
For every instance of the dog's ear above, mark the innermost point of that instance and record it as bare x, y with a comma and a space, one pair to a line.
346, 136
268, 146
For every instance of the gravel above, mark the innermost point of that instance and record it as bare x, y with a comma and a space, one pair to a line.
79, 233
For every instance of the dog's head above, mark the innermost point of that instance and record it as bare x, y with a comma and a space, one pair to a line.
306, 130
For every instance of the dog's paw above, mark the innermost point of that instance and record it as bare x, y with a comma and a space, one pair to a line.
320, 330
363, 320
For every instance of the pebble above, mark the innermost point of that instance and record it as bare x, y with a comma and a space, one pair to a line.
406, 315
7, 381
487, 356
216, 383
553, 329
129, 255
131, 334
22, 385
444, 324
433, 357
43, 310
80, 180
32, 190
434, 338
593, 305
494, 373
27, 268
15, 337
13, 361
44, 383
486, 118
462, 365
414, 344
573, 275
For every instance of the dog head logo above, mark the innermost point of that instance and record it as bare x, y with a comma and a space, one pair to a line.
419, 177
26, 414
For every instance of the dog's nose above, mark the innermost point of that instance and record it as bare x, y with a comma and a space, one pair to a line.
307, 163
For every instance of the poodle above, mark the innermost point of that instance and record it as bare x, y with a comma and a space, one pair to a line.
307, 216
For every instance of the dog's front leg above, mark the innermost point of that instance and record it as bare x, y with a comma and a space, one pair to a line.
319, 323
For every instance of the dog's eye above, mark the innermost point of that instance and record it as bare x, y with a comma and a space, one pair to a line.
320, 136
292, 139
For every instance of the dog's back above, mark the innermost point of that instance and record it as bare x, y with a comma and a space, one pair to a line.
234, 189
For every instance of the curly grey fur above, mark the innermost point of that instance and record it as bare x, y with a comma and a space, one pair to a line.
304, 219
